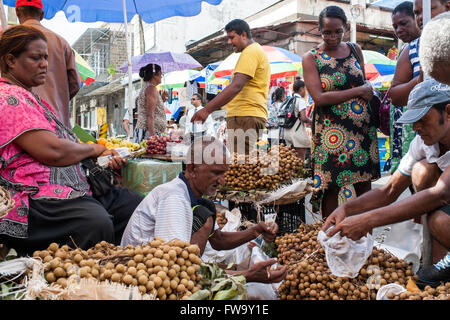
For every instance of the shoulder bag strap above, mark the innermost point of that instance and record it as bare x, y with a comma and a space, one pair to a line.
357, 56
386, 96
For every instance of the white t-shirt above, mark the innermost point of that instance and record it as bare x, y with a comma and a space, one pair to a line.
419, 151
182, 123
300, 102
190, 127
165, 212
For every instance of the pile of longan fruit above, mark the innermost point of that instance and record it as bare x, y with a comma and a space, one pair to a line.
221, 219
441, 292
166, 270
309, 277
263, 172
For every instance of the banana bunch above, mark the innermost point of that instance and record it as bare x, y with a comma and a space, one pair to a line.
116, 142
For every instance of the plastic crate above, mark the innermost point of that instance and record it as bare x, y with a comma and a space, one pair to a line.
289, 216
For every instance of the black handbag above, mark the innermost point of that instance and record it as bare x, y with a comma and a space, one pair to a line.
375, 102
100, 180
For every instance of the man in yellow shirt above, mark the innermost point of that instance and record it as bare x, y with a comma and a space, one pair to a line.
245, 99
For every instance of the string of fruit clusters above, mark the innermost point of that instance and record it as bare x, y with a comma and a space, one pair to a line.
263, 171
167, 270
309, 277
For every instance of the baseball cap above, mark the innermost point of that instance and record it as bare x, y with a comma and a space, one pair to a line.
422, 98
31, 3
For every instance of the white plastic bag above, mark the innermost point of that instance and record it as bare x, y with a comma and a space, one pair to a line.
394, 288
345, 257
261, 291
236, 255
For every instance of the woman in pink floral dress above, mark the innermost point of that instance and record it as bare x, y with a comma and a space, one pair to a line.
40, 161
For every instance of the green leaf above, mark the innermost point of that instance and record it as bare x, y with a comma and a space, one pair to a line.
111, 69
5, 289
221, 285
200, 295
225, 294
230, 265
240, 278
12, 254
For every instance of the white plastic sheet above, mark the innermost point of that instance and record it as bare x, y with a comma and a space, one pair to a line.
345, 257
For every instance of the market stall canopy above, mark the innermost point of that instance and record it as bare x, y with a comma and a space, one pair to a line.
168, 61
112, 10
382, 82
176, 79
377, 64
274, 55
200, 76
87, 74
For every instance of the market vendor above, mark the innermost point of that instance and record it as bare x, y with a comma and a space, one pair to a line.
177, 210
40, 161
427, 166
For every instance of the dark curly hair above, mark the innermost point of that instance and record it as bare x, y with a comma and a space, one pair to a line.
149, 71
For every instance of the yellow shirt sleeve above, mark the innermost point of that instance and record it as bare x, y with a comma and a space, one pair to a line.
247, 62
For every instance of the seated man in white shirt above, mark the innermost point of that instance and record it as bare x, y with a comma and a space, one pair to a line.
197, 129
427, 166
177, 210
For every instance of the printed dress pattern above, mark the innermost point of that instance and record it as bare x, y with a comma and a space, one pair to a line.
23, 176
344, 146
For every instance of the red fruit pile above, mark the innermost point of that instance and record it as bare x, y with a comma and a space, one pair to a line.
157, 144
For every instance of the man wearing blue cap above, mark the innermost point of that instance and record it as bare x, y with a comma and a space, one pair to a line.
427, 166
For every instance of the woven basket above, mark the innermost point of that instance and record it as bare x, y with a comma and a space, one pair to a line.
6, 203
264, 197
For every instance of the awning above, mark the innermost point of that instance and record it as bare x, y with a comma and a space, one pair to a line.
112, 87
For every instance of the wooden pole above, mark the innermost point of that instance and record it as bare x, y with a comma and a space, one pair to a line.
130, 72
3, 16
74, 111
427, 244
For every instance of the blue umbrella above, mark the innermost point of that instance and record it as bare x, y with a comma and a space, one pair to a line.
201, 75
112, 10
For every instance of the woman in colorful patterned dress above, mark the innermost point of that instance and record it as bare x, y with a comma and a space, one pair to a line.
40, 161
345, 147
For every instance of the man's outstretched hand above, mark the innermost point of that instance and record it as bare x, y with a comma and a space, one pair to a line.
200, 116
